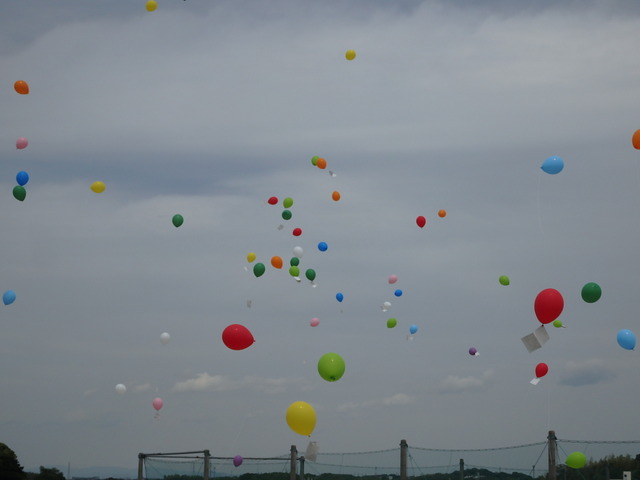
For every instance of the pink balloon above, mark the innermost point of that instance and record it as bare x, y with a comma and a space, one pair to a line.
393, 279
157, 403
314, 322
21, 143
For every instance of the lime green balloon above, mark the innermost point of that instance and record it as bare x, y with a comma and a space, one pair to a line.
294, 271
310, 274
558, 323
314, 160
331, 367
591, 292
504, 280
392, 322
177, 220
294, 262
287, 202
286, 214
258, 269
19, 192
576, 460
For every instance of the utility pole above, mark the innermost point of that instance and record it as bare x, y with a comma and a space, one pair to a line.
552, 449
302, 467
207, 454
294, 458
403, 459
462, 469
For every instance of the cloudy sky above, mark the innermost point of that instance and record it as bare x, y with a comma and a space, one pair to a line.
206, 108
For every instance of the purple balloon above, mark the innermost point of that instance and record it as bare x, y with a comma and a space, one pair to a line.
237, 460
473, 351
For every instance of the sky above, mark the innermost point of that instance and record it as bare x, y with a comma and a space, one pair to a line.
207, 108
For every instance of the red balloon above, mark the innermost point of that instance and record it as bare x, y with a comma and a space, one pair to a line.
421, 221
297, 232
548, 305
237, 337
272, 200
541, 370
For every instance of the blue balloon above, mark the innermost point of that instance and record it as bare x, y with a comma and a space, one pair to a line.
322, 246
22, 178
626, 339
413, 329
9, 297
398, 293
339, 296
552, 165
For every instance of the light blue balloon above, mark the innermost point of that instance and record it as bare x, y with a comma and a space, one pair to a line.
413, 329
398, 293
9, 297
22, 178
552, 165
626, 339
339, 296
322, 246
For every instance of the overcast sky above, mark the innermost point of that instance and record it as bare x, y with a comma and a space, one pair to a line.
206, 108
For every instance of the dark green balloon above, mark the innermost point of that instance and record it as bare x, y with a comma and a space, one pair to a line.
19, 192
591, 292
177, 220
294, 262
258, 269
310, 274
286, 214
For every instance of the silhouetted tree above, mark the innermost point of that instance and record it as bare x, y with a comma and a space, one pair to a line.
10, 468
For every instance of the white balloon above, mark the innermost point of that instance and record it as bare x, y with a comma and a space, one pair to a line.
120, 388
297, 251
164, 338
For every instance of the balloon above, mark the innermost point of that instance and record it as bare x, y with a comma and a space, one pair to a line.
473, 351
552, 165
151, 5
335, 195
237, 461
541, 370
298, 251
558, 323
591, 292
504, 280
237, 337
421, 221
386, 306
339, 296
331, 367
635, 140
22, 178
177, 220
19, 192
272, 201
120, 388
627, 339
21, 87
157, 403
258, 269
276, 261
392, 279
251, 257
321, 163
98, 187
314, 160
392, 322
314, 322
413, 329
294, 262
286, 214
297, 232
442, 213
301, 418
548, 305
350, 54
398, 293
322, 246
287, 202
22, 143
164, 338
294, 271
9, 297
576, 460
310, 273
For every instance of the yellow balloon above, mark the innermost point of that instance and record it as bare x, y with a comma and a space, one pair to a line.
151, 5
251, 257
350, 54
98, 187
301, 418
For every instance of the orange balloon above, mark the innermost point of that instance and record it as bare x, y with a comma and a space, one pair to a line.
636, 140
335, 195
442, 213
276, 261
21, 87
321, 163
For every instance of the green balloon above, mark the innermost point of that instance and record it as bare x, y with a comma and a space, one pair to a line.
392, 322
331, 367
287, 202
314, 160
310, 274
576, 460
294, 262
286, 214
19, 192
177, 220
294, 271
558, 323
591, 292
504, 280
258, 269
